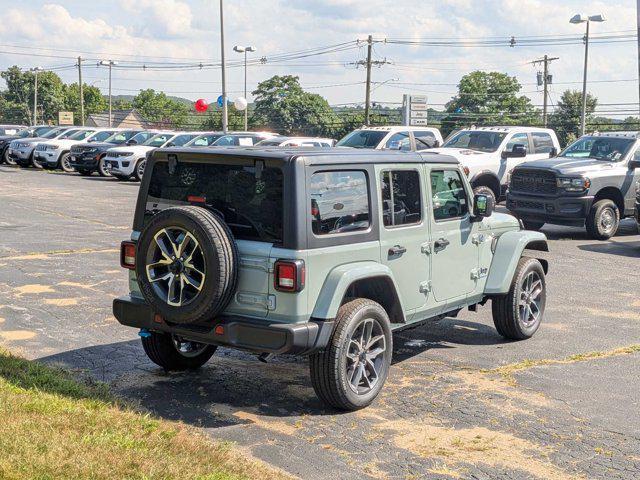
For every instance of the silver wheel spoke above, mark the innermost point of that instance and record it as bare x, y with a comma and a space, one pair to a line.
167, 276
190, 281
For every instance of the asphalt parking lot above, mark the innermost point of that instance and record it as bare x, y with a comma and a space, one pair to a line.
460, 402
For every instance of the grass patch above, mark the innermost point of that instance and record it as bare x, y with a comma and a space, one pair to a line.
53, 426
508, 370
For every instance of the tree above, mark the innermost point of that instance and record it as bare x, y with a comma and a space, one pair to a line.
158, 108
94, 101
565, 120
18, 97
213, 119
282, 105
488, 98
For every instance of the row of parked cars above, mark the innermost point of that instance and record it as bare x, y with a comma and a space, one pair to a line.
592, 183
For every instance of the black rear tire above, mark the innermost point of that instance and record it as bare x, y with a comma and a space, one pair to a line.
217, 252
163, 350
483, 190
603, 220
510, 316
330, 375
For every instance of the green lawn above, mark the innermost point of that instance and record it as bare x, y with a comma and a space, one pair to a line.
52, 426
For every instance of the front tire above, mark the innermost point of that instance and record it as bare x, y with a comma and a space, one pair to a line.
351, 370
532, 225
33, 163
174, 353
102, 169
603, 220
65, 164
482, 190
138, 172
7, 159
517, 315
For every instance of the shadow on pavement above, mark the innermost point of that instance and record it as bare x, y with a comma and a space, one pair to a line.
234, 383
623, 249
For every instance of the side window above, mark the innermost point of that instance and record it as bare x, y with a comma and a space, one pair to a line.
542, 142
399, 141
636, 156
339, 202
201, 142
518, 139
424, 140
448, 195
401, 203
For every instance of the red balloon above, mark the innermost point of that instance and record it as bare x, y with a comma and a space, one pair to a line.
201, 105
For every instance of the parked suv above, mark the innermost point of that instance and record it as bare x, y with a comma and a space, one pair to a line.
488, 154
56, 153
21, 151
637, 207
130, 161
88, 158
324, 253
393, 138
592, 183
25, 133
282, 141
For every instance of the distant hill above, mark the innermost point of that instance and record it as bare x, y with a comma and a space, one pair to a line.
129, 98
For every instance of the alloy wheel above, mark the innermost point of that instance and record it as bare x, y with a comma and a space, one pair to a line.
607, 220
530, 305
140, 168
187, 348
365, 356
175, 266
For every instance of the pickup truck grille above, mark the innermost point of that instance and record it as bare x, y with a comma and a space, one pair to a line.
533, 181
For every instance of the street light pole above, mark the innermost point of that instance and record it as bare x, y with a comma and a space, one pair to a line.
585, 19
110, 64
35, 95
245, 50
225, 119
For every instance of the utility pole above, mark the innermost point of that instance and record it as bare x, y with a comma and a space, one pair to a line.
35, 94
367, 101
82, 91
225, 119
638, 22
110, 64
546, 80
583, 116
368, 63
246, 50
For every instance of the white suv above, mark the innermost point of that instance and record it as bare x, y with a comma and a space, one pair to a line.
55, 153
488, 154
393, 138
130, 161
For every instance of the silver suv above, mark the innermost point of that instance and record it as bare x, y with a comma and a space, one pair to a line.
321, 253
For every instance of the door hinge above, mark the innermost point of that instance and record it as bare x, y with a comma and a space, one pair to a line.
478, 273
425, 287
477, 239
426, 248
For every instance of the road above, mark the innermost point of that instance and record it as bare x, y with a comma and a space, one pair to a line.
459, 403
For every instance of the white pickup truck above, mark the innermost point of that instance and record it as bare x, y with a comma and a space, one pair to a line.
488, 154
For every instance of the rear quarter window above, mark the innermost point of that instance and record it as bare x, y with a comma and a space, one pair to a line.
247, 195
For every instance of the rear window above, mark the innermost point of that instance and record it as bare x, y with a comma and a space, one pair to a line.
248, 197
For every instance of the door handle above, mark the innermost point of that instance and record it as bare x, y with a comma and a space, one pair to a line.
397, 250
440, 244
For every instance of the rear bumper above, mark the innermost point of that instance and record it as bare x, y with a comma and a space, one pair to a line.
567, 210
237, 332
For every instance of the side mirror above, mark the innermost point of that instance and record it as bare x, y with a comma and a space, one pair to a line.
553, 152
171, 144
132, 142
518, 151
436, 144
634, 164
483, 206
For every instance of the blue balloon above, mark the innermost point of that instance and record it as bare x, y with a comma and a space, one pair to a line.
220, 100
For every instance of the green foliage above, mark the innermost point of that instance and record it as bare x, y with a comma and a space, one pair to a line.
94, 101
488, 98
566, 118
158, 108
213, 119
282, 105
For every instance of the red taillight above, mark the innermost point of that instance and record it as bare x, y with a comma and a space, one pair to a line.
196, 199
289, 275
128, 255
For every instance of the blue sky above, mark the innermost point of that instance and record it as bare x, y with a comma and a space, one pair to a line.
176, 30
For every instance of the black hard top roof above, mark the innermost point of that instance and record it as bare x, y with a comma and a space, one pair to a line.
314, 155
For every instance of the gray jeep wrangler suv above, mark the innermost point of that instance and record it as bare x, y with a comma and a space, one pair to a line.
592, 183
318, 252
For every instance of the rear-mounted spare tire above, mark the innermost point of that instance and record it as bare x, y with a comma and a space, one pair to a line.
187, 264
